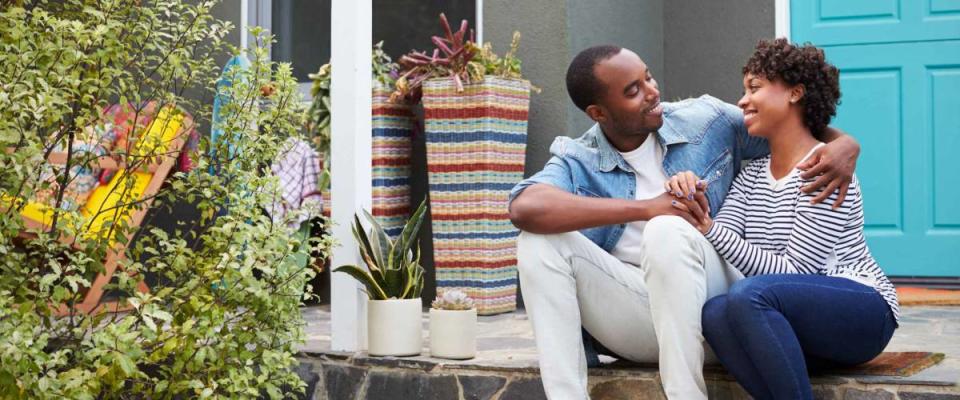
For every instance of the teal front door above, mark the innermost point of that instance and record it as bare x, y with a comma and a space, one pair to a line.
900, 81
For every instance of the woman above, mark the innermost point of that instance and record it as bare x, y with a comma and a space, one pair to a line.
813, 293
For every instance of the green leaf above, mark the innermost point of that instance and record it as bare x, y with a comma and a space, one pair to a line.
126, 364
410, 231
380, 244
373, 289
366, 249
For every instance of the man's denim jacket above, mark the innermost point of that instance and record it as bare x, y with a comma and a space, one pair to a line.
703, 135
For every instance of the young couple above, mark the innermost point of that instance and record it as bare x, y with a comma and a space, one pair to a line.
646, 233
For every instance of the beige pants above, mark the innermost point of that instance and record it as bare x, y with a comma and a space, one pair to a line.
649, 313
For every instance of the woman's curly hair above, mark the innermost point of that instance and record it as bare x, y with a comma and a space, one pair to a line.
805, 65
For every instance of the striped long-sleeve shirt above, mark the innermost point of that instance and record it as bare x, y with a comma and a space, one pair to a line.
769, 226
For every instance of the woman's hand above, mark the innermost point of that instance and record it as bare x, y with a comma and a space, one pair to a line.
833, 165
690, 196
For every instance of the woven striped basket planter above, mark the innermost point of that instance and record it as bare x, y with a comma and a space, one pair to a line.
476, 141
392, 130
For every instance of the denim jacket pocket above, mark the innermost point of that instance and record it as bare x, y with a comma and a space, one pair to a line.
718, 167
714, 176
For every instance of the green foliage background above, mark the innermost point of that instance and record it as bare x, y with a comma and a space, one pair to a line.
226, 322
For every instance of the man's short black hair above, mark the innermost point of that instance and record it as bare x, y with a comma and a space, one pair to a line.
582, 85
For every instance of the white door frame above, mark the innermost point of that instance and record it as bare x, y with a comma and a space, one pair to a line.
782, 19
351, 33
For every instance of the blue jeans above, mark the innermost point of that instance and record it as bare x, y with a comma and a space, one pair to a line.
768, 329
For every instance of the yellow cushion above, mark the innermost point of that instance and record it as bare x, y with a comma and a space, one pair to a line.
38, 212
105, 198
158, 135
161, 131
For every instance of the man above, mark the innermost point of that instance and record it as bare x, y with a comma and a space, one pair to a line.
601, 246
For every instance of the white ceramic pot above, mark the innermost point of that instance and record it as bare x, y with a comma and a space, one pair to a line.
453, 333
394, 327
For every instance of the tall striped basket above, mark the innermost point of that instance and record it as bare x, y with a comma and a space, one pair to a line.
392, 128
476, 142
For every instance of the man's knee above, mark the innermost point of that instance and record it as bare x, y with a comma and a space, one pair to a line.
666, 229
528, 245
532, 247
665, 238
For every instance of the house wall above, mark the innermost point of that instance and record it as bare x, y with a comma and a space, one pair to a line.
228, 10
706, 43
553, 32
635, 25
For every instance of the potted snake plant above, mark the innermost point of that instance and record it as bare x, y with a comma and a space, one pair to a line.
393, 281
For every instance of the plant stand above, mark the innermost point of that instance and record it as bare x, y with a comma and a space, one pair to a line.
392, 129
476, 143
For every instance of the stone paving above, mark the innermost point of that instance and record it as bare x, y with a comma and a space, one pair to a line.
506, 367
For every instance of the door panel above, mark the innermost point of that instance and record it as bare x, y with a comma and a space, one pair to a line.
836, 22
944, 84
902, 103
876, 92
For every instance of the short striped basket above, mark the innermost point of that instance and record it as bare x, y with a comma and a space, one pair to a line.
476, 141
392, 129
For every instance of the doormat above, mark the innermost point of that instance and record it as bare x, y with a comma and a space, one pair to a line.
914, 296
894, 364
890, 363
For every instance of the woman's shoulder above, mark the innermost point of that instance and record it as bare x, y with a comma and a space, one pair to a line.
750, 175
757, 166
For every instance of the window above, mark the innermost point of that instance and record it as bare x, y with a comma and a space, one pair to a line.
302, 27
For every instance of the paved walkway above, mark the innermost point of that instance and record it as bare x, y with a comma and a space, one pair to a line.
505, 342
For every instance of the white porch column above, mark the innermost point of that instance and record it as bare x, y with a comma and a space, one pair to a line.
350, 40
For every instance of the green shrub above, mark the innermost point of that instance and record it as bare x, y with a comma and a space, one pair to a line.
226, 322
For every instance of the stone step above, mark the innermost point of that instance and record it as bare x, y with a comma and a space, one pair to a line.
332, 375
506, 367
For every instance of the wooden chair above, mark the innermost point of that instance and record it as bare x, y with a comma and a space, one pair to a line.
106, 204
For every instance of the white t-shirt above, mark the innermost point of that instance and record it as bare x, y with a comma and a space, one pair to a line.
647, 161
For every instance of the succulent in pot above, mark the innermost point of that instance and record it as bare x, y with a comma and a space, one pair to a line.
453, 325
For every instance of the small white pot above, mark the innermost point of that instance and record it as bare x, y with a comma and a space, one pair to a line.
453, 333
394, 327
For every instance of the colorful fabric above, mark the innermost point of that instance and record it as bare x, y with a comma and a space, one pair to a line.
476, 143
185, 161
298, 167
120, 120
82, 179
123, 119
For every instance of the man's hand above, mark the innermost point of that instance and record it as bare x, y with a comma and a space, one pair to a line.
685, 185
664, 205
834, 163
702, 220
689, 195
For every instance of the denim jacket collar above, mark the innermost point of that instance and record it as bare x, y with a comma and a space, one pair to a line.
610, 157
